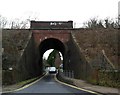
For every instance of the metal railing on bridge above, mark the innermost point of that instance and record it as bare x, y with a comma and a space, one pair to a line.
68, 73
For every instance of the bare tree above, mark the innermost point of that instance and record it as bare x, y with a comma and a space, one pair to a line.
106, 23
94, 23
17, 24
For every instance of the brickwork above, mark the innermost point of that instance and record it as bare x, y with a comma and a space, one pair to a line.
41, 35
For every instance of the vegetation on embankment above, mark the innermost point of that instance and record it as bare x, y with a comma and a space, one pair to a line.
93, 41
13, 44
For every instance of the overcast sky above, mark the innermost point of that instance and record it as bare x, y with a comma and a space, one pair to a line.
61, 10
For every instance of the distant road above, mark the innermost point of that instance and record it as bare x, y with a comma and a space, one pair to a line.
49, 86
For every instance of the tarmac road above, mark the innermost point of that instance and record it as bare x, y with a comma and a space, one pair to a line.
49, 86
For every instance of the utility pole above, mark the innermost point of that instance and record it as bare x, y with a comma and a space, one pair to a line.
119, 27
119, 13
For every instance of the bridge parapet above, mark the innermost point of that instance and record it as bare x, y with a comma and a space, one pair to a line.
51, 24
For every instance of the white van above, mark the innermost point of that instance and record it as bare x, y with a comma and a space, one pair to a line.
52, 70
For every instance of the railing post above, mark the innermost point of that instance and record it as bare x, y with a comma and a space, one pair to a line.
72, 74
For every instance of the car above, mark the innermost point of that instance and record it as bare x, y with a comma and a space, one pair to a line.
52, 70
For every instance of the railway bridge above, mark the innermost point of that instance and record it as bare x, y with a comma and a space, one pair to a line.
47, 35
53, 35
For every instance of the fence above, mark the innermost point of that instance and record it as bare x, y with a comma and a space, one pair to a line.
68, 73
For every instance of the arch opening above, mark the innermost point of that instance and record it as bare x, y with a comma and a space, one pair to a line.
47, 44
52, 58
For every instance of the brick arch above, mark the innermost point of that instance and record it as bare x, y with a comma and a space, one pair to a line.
51, 43
40, 35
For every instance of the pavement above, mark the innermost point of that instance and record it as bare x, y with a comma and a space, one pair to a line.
100, 89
